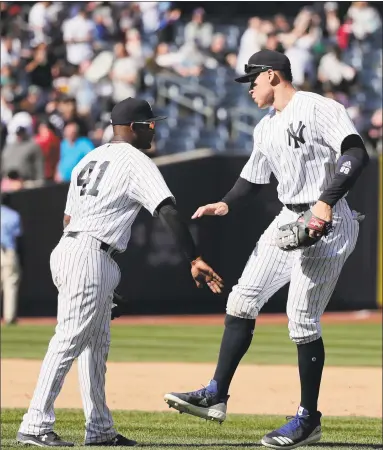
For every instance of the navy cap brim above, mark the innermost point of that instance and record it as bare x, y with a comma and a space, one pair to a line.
247, 78
155, 119
152, 119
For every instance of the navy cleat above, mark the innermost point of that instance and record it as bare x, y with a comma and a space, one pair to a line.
203, 403
302, 429
118, 441
50, 439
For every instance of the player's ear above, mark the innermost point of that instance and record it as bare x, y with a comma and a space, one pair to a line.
273, 77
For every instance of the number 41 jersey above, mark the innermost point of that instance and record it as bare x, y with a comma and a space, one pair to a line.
107, 190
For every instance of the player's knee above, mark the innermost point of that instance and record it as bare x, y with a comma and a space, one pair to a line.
242, 304
303, 333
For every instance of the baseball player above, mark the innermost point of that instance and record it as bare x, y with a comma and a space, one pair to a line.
311, 146
107, 190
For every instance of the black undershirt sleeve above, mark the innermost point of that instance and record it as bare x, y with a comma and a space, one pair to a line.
353, 159
240, 193
171, 219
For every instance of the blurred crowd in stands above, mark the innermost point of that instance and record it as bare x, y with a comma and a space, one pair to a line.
65, 64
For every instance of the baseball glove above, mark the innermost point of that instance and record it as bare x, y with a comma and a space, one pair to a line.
296, 234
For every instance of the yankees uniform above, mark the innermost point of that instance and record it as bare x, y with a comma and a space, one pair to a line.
316, 154
107, 190
304, 164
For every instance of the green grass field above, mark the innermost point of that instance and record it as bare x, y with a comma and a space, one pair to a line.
355, 344
174, 431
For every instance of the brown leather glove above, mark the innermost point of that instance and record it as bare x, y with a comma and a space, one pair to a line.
202, 274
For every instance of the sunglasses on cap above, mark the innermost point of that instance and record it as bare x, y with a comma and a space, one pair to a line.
261, 68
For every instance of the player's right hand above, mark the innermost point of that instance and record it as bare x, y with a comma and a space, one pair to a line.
212, 209
202, 273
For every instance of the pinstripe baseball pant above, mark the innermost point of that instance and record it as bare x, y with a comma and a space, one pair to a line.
85, 277
312, 272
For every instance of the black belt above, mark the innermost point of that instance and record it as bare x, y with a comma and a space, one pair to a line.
103, 245
301, 207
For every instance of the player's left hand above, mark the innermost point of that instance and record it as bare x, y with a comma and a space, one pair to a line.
322, 211
117, 300
202, 273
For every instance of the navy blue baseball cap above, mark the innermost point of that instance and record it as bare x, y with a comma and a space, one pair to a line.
133, 110
263, 61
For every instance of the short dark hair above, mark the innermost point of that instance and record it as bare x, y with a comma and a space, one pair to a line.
287, 75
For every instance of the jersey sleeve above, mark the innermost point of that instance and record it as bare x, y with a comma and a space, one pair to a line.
257, 169
147, 185
334, 124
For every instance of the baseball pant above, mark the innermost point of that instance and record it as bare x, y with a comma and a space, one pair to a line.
85, 277
10, 280
312, 272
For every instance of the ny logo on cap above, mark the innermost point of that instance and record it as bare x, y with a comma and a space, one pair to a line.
296, 136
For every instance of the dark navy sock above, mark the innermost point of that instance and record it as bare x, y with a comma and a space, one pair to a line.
311, 358
236, 340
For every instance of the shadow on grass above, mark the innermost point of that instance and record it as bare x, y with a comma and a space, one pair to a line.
257, 444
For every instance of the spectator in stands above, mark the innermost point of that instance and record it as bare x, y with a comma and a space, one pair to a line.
7, 77
11, 260
150, 16
21, 119
273, 43
73, 148
299, 47
281, 24
217, 53
40, 68
375, 131
12, 182
49, 143
39, 23
133, 46
10, 51
167, 28
251, 42
101, 32
199, 31
365, 20
24, 156
78, 34
124, 74
334, 71
83, 91
67, 109
332, 20
129, 18
35, 100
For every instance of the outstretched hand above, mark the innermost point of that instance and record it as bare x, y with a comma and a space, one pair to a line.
202, 273
212, 209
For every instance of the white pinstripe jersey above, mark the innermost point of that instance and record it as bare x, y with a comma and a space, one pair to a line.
301, 146
107, 190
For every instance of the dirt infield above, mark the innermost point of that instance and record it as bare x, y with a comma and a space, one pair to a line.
345, 391
365, 316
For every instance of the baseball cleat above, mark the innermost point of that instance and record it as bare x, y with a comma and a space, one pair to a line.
117, 441
302, 429
50, 439
203, 403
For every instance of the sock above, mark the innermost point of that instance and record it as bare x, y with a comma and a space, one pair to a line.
236, 340
311, 358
